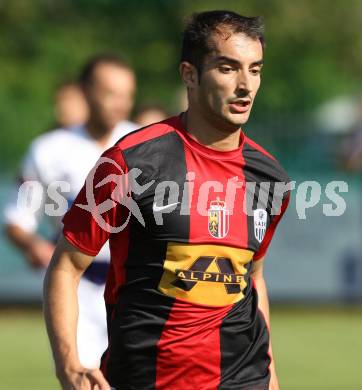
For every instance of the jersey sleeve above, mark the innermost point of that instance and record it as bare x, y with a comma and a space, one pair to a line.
271, 229
96, 213
28, 211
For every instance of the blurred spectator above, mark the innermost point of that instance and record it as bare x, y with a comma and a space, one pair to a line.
351, 151
67, 155
351, 258
351, 274
70, 105
147, 115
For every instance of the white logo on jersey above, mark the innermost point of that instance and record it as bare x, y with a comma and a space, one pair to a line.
165, 207
260, 219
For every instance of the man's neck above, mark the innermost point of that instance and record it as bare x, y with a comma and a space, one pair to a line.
208, 134
100, 133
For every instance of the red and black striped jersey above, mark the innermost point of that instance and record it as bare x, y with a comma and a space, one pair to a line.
186, 222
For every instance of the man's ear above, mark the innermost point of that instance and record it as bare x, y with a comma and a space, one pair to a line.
188, 74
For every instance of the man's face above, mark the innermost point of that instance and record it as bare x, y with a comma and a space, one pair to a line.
111, 94
229, 80
70, 106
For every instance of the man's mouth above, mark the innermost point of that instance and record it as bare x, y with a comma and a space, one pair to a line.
240, 105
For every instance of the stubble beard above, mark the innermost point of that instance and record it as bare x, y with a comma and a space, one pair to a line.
223, 121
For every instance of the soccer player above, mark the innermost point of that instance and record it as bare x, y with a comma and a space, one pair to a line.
186, 299
66, 155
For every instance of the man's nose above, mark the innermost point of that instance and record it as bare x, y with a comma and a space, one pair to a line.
244, 83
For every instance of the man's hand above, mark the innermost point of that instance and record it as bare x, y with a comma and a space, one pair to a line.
61, 314
81, 378
273, 384
39, 252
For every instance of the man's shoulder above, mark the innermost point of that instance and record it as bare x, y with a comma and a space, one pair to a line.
254, 153
123, 128
127, 126
55, 140
148, 133
143, 145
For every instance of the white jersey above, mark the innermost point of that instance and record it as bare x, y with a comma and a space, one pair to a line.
59, 155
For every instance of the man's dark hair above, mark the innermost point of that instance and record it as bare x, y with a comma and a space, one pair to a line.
87, 73
195, 45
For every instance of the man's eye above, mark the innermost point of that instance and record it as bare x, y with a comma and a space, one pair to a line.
255, 71
226, 69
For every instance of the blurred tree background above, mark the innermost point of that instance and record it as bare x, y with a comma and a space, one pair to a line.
314, 53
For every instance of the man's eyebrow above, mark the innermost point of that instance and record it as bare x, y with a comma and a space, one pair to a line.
236, 62
258, 63
227, 59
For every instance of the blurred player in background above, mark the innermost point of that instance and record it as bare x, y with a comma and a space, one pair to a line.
149, 114
186, 298
67, 155
70, 105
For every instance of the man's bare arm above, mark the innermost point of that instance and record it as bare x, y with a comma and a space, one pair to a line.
61, 316
263, 304
36, 249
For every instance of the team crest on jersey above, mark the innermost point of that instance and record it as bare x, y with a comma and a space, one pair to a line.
260, 220
218, 219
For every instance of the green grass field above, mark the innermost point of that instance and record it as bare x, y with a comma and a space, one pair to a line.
317, 349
